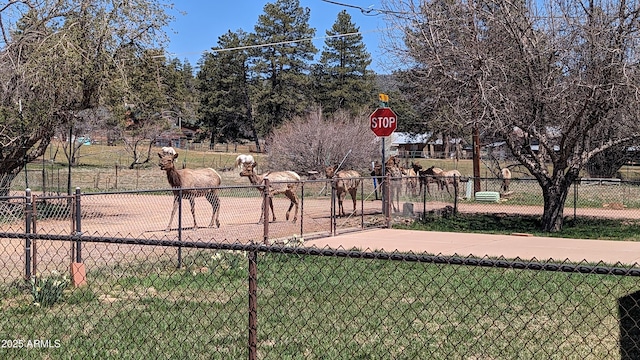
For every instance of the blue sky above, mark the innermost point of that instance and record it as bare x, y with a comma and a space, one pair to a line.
198, 30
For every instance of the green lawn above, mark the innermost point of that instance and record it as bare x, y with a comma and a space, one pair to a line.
312, 307
580, 228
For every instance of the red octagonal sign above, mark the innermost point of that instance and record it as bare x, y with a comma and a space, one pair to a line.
383, 122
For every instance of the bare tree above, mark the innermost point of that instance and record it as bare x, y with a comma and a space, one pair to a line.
312, 143
560, 73
77, 135
60, 58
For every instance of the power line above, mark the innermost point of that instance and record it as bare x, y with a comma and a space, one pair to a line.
370, 11
287, 42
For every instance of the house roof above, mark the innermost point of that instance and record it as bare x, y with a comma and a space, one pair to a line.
400, 138
409, 138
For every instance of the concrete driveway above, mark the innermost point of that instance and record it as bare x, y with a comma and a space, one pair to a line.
520, 246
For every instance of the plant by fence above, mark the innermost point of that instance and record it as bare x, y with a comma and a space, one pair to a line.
47, 290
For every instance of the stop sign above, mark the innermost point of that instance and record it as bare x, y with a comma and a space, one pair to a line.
383, 122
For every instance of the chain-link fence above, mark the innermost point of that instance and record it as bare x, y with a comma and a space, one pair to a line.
607, 198
155, 215
148, 287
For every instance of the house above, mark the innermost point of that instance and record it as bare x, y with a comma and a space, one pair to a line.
426, 145
408, 145
177, 139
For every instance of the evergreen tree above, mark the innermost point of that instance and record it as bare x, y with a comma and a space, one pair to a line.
283, 87
148, 105
344, 82
182, 96
225, 107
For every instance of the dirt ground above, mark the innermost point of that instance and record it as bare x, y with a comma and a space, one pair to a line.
146, 216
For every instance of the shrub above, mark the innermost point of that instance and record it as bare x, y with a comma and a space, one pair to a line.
315, 142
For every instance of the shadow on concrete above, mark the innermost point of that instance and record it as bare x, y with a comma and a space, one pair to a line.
629, 312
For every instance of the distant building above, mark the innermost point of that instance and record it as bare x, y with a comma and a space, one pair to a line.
177, 139
426, 146
408, 145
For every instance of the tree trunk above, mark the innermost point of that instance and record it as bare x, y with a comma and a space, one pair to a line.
212, 141
5, 182
446, 145
249, 115
554, 200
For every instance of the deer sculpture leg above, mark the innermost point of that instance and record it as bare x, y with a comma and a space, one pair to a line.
192, 203
424, 183
353, 192
294, 202
176, 202
273, 213
396, 188
505, 185
341, 195
214, 200
261, 220
445, 183
451, 180
176, 199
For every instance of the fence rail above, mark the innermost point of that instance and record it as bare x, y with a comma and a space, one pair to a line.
223, 292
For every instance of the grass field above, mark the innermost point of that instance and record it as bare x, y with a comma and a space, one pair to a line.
103, 167
312, 307
580, 228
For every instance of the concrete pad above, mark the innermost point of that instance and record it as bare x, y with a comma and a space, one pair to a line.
625, 253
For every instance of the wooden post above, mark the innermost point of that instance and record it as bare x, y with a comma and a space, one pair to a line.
476, 160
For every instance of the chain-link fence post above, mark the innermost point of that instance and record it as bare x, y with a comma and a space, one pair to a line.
27, 240
333, 208
302, 211
78, 219
266, 202
253, 304
361, 204
179, 227
78, 271
575, 199
386, 200
456, 182
424, 201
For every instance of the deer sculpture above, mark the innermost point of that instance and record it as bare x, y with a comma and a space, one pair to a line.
344, 181
445, 178
392, 167
427, 177
191, 183
506, 180
410, 180
280, 182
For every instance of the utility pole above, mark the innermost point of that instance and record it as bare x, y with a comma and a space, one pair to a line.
476, 159
24, 145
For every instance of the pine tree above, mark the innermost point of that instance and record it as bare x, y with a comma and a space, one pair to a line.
182, 96
225, 107
344, 82
148, 101
283, 87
